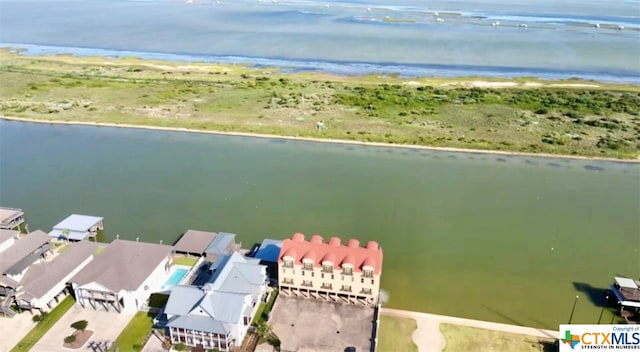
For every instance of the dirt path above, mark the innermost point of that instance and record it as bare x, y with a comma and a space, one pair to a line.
428, 336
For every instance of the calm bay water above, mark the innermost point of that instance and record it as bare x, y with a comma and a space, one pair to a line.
507, 239
409, 37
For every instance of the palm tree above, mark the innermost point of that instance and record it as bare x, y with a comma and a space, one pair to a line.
65, 233
264, 330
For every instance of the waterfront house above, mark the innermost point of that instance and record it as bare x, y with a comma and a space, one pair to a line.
11, 218
24, 251
123, 276
77, 228
45, 282
18, 253
217, 314
194, 242
330, 271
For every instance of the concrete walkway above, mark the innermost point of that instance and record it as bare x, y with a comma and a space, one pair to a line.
106, 326
429, 339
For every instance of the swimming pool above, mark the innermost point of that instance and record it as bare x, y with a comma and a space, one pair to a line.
175, 278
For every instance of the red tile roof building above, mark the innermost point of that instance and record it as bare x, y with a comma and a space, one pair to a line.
330, 270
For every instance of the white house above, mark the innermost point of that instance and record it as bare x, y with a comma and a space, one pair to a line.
123, 276
44, 282
218, 314
20, 254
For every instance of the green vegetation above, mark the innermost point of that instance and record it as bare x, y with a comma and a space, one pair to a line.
262, 313
44, 325
180, 347
80, 325
463, 338
394, 334
568, 117
158, 300
185, 261
135, 334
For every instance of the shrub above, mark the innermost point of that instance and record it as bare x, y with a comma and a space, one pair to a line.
80, 325
70, 339
180, 347
38, 318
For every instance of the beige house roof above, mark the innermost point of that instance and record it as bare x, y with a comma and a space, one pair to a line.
42, 277
7, 234
22, 248
123, 265
6, 214
194, 241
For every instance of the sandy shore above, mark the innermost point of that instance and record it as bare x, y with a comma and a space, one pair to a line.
321, 140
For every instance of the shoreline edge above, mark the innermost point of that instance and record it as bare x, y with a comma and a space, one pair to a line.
322, 140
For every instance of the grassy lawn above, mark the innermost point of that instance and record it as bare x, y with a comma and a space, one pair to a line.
135, 333
569, 117
395, 334
264, 308
42, 327
187, 261
463, 338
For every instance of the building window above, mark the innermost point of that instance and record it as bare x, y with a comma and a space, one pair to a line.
347, 270
362, 281
345, 288
327, 268
372, 282
322, 276
307, 266
287, 281
288, 263
367, 273
307, 283
327, 286
366, 291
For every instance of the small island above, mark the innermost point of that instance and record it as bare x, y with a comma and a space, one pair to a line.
574, 117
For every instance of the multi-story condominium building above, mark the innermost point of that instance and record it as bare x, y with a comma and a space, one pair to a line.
330, 271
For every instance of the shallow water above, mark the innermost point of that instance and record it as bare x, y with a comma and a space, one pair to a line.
492, 237
347, 37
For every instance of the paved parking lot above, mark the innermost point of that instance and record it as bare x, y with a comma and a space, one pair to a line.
106, 327
12, 330
309, 325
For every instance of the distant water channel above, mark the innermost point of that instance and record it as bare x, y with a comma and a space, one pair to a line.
507, 239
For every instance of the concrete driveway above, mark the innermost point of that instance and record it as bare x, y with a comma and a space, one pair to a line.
106, 327
12, 330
